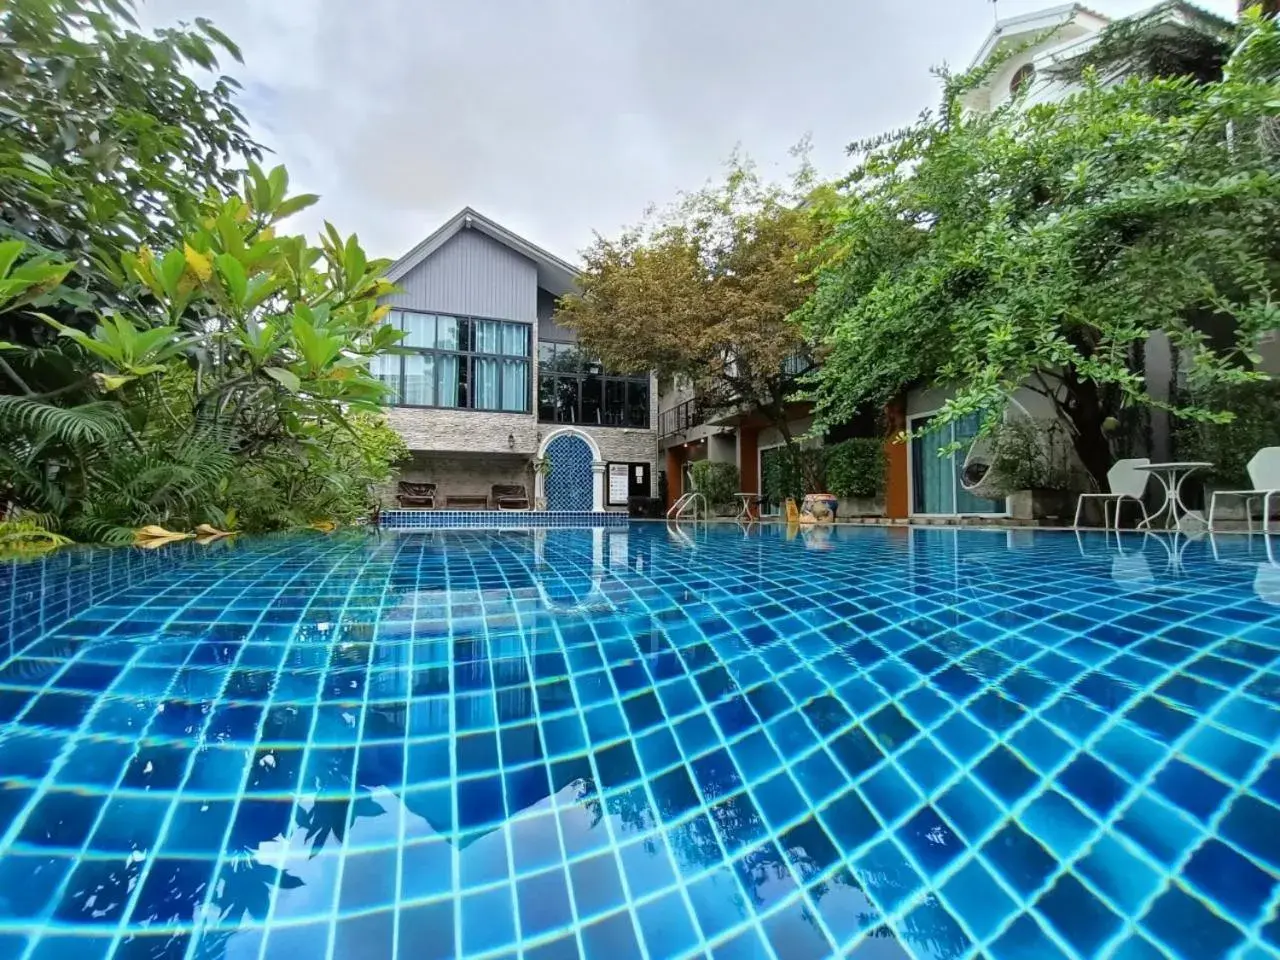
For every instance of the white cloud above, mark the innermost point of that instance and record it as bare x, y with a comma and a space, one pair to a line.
562, 117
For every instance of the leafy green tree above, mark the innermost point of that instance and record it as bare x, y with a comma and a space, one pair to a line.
107, 141
703, 291
1043, 246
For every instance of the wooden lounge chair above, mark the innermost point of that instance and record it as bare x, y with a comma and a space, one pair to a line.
419, 495
510, 496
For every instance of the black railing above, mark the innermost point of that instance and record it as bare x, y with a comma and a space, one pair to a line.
681, 418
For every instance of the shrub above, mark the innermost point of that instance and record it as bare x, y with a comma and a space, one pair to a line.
718, 482
855, 468
1230, 446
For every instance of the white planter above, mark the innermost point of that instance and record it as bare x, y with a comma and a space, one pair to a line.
851, 507
1041, 505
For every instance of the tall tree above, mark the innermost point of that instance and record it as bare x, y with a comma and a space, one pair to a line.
1043, 247
703, 291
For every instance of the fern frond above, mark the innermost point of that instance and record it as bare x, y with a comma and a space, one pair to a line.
97, 422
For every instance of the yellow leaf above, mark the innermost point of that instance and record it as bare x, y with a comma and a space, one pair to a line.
210, 532
199, 263
154, 536
159, 541
108, 382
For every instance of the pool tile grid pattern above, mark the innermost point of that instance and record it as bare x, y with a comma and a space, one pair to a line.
949, 732
43, 592
488, 519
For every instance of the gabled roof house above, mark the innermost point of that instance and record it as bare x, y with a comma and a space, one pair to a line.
492, 384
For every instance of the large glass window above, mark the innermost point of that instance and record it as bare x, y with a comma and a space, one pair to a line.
458, 362
574, 387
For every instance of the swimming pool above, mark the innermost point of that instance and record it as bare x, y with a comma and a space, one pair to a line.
883, 743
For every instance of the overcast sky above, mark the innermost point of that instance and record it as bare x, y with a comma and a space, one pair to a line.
562, 117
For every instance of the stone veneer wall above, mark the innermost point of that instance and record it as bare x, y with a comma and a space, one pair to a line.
445, 443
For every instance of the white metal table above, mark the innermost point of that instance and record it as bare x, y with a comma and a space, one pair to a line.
749, 500
1172, 476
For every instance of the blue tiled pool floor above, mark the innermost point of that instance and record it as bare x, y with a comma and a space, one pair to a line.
877, 743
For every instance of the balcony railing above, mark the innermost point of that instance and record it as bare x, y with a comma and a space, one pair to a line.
681, 418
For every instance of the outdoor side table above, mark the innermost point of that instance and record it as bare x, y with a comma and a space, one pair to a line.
1171, 477
749, 500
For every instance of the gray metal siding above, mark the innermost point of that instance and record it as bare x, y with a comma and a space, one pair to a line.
548, 329
473, 274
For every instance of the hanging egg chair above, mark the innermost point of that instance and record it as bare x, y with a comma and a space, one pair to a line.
980, 475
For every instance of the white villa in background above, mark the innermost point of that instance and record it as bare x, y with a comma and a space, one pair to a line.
1068, 31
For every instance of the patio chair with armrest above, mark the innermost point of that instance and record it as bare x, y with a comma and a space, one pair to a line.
510, 496
1126, 483
1264, 474
415, 494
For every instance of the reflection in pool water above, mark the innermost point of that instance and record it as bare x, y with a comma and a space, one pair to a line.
626, 742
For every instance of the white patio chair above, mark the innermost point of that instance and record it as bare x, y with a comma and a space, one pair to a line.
1125, 483
1264, 474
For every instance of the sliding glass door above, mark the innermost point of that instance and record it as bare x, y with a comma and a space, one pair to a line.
935, 480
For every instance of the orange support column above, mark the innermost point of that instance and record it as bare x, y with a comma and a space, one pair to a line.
675, 475
749, 459
897, 482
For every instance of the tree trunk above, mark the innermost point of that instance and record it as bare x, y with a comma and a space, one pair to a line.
1084, 406
807, 467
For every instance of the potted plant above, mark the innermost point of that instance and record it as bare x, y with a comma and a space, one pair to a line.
1031, 458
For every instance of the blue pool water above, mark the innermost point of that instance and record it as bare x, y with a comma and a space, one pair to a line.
878, 743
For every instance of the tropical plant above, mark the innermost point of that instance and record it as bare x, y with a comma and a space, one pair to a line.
171, 359
702, 291
1043, 246
22, 537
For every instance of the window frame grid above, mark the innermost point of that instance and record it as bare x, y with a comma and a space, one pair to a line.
580, 376
466, 371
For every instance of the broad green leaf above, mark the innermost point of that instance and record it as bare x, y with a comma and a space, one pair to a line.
37, 164
233, 277
353, 261
286, 378
169, 272
10, 250
295, 204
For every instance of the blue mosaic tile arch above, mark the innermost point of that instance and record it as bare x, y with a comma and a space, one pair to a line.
569, 482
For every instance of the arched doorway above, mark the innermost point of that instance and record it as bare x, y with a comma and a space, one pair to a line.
574, 479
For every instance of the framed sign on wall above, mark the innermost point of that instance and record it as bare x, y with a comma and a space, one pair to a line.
626, 480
